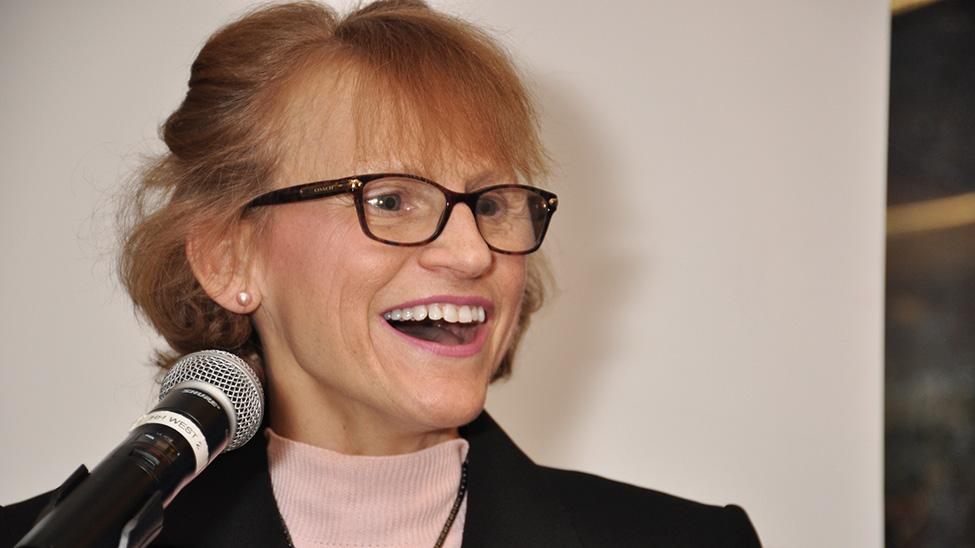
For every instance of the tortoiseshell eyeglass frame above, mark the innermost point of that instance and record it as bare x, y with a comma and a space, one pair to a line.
355, 184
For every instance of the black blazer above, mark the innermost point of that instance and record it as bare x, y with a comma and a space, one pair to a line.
512, 503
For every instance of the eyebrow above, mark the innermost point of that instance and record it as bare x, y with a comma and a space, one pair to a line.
483, 178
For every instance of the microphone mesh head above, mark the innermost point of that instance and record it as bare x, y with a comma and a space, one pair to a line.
234, 378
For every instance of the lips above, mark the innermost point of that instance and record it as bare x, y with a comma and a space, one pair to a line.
451, 327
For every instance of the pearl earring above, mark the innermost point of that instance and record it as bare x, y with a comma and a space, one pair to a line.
244, 298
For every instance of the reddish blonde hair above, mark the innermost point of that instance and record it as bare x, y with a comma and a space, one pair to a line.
445, 86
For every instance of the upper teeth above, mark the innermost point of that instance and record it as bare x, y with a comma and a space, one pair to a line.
447, 312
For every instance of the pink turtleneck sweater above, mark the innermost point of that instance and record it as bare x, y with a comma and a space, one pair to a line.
329, 499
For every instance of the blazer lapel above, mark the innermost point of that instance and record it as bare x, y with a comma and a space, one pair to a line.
230, 505
509, 502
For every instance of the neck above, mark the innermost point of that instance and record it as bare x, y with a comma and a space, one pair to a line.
327, 421
332, 499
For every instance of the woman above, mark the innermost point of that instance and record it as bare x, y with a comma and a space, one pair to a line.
298, 219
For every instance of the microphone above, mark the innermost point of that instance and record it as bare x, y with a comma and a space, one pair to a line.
210, 401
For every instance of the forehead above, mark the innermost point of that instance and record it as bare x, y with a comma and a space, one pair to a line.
316, 131
333, 124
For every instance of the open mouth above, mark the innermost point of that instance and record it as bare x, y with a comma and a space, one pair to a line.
442, 323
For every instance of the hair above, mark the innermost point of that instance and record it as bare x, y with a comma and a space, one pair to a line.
445, 86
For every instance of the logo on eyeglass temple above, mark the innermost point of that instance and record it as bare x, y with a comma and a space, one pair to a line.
326, 189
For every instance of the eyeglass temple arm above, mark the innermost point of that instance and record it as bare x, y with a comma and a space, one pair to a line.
310, 191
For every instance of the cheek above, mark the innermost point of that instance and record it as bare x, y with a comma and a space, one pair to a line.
302, 266
322, 274
513, 275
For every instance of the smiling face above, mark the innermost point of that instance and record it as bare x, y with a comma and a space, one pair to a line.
351, 363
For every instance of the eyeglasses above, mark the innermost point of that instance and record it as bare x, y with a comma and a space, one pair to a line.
407, 210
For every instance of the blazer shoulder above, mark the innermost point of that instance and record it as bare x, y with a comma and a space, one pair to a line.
610, 513
17, 519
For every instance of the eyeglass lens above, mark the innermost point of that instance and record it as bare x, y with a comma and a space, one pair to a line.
408, 211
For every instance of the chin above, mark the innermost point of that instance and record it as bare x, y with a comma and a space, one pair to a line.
451, 409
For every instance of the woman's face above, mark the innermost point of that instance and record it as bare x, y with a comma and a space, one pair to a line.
340, 373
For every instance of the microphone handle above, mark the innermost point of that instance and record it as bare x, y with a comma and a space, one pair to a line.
155, 460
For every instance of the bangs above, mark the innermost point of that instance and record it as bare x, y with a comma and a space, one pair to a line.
429, 89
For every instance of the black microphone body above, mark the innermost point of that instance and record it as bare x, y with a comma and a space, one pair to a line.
120, 503
156, 457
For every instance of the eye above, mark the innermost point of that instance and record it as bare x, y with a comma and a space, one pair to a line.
386, 202
488, 206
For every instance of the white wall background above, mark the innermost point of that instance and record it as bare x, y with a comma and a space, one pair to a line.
719, 248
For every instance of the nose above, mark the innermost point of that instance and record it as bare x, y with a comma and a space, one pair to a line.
459, 249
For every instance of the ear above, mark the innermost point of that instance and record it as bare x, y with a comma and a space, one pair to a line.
223, 268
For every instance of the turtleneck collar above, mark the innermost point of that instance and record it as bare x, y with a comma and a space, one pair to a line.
330, 499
